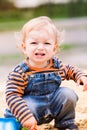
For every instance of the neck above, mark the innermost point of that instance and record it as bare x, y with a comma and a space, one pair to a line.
38, 65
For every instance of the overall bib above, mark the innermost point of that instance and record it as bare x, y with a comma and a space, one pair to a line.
47, 100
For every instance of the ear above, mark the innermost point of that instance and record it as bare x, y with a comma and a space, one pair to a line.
23, 47
55, 48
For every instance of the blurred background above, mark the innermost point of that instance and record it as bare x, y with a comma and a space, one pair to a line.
68, 15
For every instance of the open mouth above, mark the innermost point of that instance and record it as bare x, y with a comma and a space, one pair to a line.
40, 54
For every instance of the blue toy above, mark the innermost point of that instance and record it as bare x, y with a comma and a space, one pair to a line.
9, 124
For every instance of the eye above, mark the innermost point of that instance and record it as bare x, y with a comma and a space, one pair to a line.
33, 43
47, 43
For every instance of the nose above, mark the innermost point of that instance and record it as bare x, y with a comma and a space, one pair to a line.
40, 46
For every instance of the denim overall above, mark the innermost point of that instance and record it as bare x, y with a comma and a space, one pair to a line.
47, 100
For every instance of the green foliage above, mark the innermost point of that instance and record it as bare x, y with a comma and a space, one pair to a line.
66, 47
11, 25
77, 9
24, 129
11, 58
51, 10
13, 18
5, 5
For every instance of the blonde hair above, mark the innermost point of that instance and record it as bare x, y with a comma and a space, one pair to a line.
36, 23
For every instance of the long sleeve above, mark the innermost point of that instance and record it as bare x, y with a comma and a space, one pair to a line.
16, 85
70, 72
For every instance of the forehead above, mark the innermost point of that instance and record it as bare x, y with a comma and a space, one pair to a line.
42, 30
42, 33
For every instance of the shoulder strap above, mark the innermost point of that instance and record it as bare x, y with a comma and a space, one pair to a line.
24, 67
56, 62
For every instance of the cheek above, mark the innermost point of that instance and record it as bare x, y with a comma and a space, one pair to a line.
28, 50
53, 49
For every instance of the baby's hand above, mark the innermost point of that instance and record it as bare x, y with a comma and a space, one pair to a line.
30, 124
82, 80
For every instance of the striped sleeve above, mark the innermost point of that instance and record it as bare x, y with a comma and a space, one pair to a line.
15, 87
70, 72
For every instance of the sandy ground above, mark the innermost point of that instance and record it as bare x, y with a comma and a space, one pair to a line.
76, 57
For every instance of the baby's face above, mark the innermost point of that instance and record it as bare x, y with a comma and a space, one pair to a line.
40, 46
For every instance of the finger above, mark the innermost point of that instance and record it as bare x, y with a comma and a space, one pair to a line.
78, 82
34, 127
85, 87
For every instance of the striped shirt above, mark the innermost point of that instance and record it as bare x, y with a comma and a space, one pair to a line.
18, 81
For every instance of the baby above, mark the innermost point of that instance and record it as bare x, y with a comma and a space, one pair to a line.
34, 94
